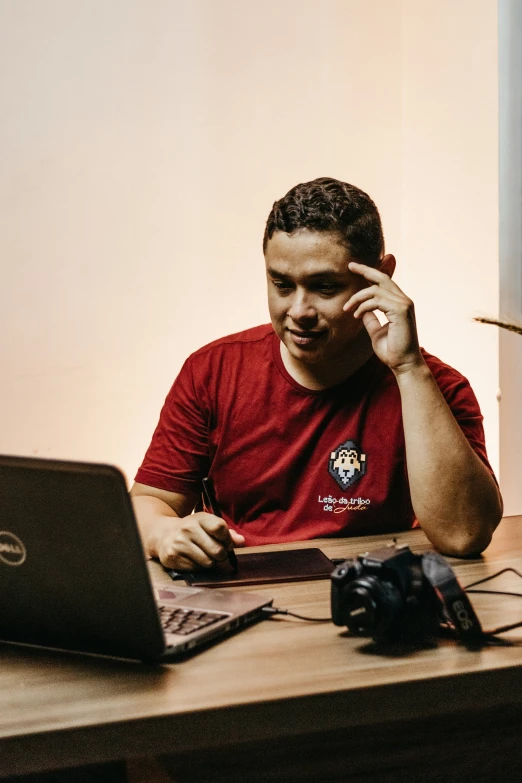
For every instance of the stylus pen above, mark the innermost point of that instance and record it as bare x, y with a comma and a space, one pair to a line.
212, 504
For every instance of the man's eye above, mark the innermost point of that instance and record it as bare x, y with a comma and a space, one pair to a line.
281, 285
327, 289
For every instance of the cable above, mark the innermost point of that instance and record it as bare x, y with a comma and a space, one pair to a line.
493, 576
271, 610
494, 592
502, 628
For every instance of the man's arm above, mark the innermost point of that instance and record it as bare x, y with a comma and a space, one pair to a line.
178, 538
454, 496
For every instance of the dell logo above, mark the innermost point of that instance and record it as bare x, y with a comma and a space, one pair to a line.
12, 550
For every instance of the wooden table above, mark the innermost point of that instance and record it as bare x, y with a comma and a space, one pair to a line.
285, 700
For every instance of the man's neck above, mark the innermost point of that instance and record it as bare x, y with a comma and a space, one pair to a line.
322, 376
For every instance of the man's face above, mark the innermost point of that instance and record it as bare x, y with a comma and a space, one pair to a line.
308, 284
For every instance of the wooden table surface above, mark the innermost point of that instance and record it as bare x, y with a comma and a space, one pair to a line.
278, 677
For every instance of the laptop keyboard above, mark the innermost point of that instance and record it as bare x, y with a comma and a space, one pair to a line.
176, 619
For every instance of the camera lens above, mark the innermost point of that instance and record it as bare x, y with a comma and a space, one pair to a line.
361, 611
373, 607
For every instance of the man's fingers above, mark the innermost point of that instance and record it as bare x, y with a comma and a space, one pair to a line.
373, 325
369, 273
219, 530
237, 538
215, 527
376, 297
199, 541
379, 279
181, 563
361, 296
186, 556
216, 550
372, 292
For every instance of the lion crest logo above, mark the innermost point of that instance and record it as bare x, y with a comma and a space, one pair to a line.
347, 464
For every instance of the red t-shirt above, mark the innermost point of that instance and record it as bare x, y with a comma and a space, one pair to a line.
289, 463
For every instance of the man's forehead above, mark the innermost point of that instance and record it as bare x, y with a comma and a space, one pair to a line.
314, 243
307, 254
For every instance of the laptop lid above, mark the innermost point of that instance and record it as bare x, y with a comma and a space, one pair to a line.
72, 569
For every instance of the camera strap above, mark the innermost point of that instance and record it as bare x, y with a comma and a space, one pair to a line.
456, 603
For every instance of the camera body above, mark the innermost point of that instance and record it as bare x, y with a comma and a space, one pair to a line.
395, 596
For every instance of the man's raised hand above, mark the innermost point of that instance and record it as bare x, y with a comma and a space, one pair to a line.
395, 343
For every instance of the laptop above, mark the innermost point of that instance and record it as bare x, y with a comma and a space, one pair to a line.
73, 574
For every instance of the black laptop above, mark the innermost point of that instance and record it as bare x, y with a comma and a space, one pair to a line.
73, 574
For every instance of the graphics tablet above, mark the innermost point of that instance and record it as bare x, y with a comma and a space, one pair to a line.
287, 565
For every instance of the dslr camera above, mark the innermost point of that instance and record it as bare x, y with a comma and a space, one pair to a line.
394, 596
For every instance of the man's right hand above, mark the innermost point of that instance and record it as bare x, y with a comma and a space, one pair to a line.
198, 541
179, 539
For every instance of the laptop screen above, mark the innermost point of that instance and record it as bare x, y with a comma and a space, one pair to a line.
72, 569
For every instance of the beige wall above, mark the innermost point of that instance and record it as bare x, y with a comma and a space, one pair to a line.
142, 145
449, 197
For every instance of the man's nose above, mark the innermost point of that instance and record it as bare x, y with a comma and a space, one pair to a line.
301, 307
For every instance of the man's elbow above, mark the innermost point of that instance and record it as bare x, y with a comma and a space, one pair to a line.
468, 545
472, 540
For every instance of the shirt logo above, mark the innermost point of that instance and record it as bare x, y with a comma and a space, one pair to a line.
347, 464
12, 550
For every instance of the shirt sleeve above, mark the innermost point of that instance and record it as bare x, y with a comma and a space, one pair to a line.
178, 456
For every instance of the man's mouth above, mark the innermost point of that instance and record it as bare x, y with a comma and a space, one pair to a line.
305, 338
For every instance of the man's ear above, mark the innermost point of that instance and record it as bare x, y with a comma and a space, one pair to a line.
387, 265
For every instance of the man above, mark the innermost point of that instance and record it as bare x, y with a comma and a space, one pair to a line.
324, 422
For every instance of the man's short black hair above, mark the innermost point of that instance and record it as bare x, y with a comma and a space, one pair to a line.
326, 204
